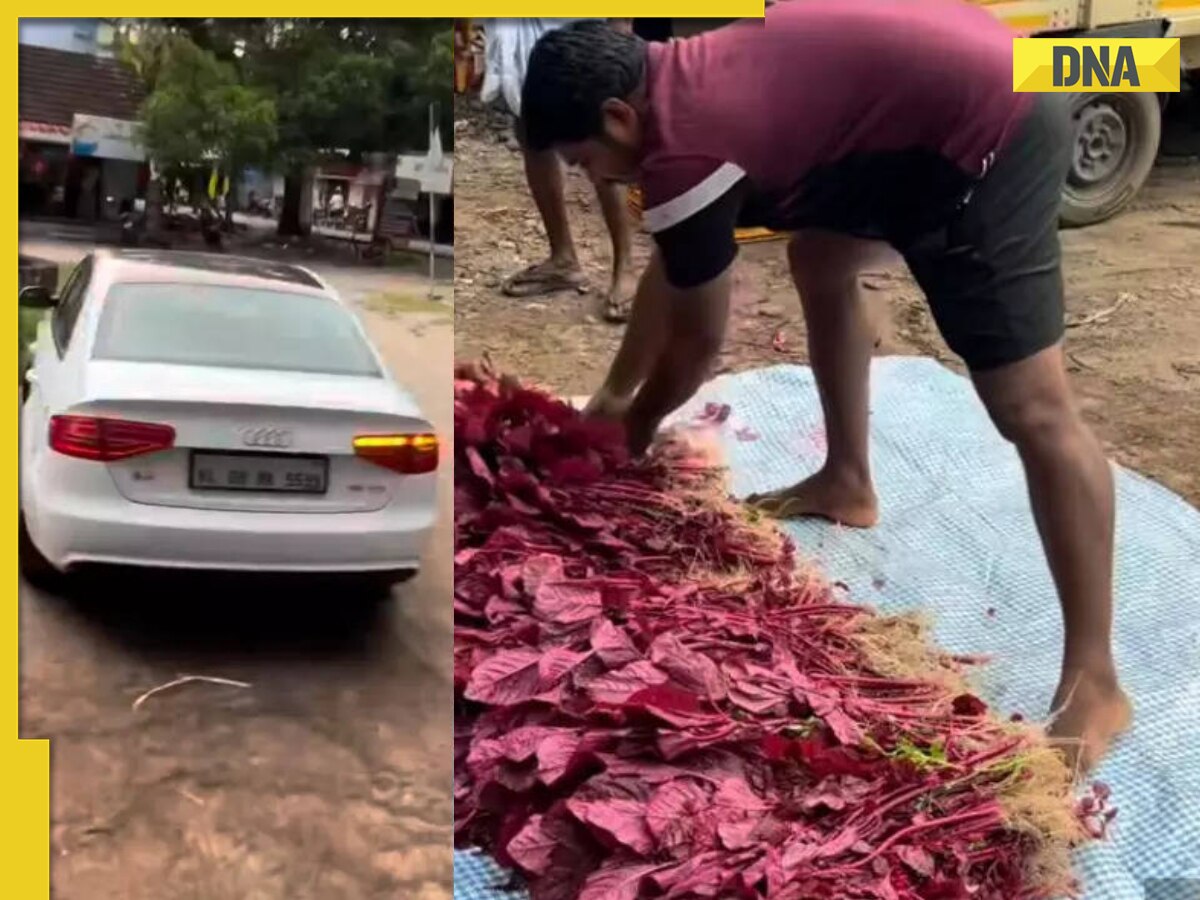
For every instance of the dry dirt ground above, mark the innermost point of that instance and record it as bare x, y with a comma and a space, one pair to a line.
1133, 297
327, 779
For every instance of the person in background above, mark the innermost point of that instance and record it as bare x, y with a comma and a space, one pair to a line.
561, 270
337, 205
914, 140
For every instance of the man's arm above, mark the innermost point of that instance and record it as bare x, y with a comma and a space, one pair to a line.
643, 341
689, 295
694, 323
678, 318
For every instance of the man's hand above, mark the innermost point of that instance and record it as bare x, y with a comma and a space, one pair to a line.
645, 336
696, 326
606, 404
670, 344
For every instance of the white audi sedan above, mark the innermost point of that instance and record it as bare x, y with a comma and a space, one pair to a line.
197, 411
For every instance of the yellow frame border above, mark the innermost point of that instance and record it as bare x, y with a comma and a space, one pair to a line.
26, 764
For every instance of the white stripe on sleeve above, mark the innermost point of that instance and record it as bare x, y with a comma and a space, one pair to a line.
694, 199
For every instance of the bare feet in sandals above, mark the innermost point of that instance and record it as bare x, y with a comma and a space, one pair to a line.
827, 494
619, 299
548, 277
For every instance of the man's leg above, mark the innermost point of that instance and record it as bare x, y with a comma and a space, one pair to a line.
993, 279
544, 174
825, 268
1071, 489
616, 217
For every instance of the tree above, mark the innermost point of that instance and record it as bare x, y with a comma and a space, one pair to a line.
196, 111
342, 87
199, 113
145, 53
434, 82
350, 87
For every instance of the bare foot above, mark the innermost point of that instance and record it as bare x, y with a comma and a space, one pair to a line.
547, 277
619, 299
845, 500
1090, 713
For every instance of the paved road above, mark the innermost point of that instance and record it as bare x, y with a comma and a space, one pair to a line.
70, 240
328, 778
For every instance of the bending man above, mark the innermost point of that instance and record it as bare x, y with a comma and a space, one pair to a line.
855, 124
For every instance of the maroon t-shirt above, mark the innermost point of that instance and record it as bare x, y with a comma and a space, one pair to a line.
871, 117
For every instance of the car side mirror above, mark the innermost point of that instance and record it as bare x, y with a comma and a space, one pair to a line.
36, 296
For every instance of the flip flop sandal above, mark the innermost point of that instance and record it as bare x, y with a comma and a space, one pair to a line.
617, 313
532, 283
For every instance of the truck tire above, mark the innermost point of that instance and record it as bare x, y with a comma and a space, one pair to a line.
1116, 142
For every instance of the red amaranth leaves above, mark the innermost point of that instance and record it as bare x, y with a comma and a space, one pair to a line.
652, 702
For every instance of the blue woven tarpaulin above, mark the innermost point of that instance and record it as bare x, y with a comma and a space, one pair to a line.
957, 540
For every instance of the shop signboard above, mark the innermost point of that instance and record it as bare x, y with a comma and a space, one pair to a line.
104, 138
435, 176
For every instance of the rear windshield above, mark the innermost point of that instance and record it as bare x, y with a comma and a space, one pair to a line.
219, 325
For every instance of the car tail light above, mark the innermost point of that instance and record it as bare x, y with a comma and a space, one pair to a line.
105, 440
409, 454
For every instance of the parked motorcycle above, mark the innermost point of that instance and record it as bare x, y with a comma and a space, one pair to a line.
133, 224
260, 206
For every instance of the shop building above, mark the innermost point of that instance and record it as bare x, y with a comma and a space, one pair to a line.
424, 188
78, 149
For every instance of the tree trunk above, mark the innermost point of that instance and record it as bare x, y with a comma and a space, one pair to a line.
381, 199
294, 196
154, 205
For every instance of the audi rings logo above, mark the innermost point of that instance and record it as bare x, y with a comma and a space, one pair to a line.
266, 437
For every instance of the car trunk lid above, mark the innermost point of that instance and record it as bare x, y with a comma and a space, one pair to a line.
254, 440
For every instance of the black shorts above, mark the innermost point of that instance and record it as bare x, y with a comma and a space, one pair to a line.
992, 274
984, 250
989, 265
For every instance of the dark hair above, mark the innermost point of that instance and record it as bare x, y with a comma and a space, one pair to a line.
572, 71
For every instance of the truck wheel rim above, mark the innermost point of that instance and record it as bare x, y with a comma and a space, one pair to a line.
1102, 143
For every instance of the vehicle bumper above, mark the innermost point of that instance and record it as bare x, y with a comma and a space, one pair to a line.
123, 533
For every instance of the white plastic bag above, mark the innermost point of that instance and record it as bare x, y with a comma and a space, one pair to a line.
507, 45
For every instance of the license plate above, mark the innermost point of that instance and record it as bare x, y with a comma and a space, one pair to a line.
275, 473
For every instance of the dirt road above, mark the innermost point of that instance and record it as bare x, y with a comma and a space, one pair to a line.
1133, 296
329, 777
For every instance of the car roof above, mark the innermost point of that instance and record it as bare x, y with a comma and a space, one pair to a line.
219, 268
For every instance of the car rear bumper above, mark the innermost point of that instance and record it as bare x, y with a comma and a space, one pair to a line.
124, 533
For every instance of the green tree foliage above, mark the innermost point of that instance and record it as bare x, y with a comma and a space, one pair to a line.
351, 86
199, 112
343, 87
359, 85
